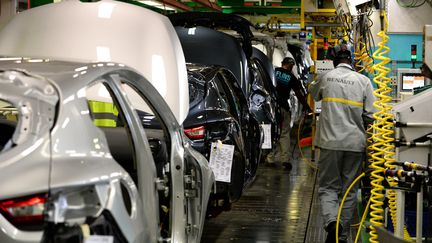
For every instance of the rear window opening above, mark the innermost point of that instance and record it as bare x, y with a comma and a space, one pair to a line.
8, 121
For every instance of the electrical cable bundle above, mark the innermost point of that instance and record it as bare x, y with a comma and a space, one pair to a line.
363, 40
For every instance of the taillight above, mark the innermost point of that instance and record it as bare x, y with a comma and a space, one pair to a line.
195, 133
25, 213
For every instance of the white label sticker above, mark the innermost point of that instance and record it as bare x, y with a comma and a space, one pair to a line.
99, 239
267, 144
221, 158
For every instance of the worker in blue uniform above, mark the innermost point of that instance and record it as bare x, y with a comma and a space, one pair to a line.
285, 82
347, 107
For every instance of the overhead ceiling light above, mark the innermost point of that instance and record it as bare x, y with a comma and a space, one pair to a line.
157, 5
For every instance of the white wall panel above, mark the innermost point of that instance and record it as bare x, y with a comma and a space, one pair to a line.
408, 20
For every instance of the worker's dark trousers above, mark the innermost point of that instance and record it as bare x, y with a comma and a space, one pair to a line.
337, 170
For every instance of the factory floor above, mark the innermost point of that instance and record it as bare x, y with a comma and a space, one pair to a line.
280, 206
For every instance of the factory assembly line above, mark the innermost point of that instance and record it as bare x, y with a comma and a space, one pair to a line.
216, 121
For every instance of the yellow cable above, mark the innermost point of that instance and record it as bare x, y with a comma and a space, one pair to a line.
359, 56
379, 129
366, 210
382, 138
342, 203
364, 61
308, 162
370, 141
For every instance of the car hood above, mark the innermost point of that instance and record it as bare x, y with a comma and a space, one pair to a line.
104, 31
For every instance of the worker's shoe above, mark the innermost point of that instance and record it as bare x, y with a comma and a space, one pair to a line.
287, 165
331, 232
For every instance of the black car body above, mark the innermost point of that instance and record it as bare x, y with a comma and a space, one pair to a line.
264, 94
298, 52
210, 47
257, 70
219, 112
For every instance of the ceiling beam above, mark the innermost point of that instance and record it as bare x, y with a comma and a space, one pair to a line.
176, 4
209, 4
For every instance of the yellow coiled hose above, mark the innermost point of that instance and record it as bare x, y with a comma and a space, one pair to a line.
363, 60
379, 146
383, 148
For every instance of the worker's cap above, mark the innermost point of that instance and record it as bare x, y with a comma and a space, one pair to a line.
288, 60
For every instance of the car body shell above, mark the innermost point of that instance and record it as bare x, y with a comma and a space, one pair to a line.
267, 87
90, 40
50, 157
210, 47
218, 104
259, 105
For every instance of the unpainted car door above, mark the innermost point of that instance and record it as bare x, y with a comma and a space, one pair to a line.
170, 183
184, 179
103, 174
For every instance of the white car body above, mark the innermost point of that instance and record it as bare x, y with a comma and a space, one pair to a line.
104, 31
62, 48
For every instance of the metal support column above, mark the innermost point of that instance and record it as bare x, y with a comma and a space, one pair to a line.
400, 195
419, 218
400, 213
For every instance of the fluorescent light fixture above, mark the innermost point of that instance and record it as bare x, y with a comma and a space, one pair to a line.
157, 4
289, 26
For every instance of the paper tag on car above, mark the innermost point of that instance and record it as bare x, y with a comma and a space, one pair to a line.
221, 158
99, 239
267, 143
